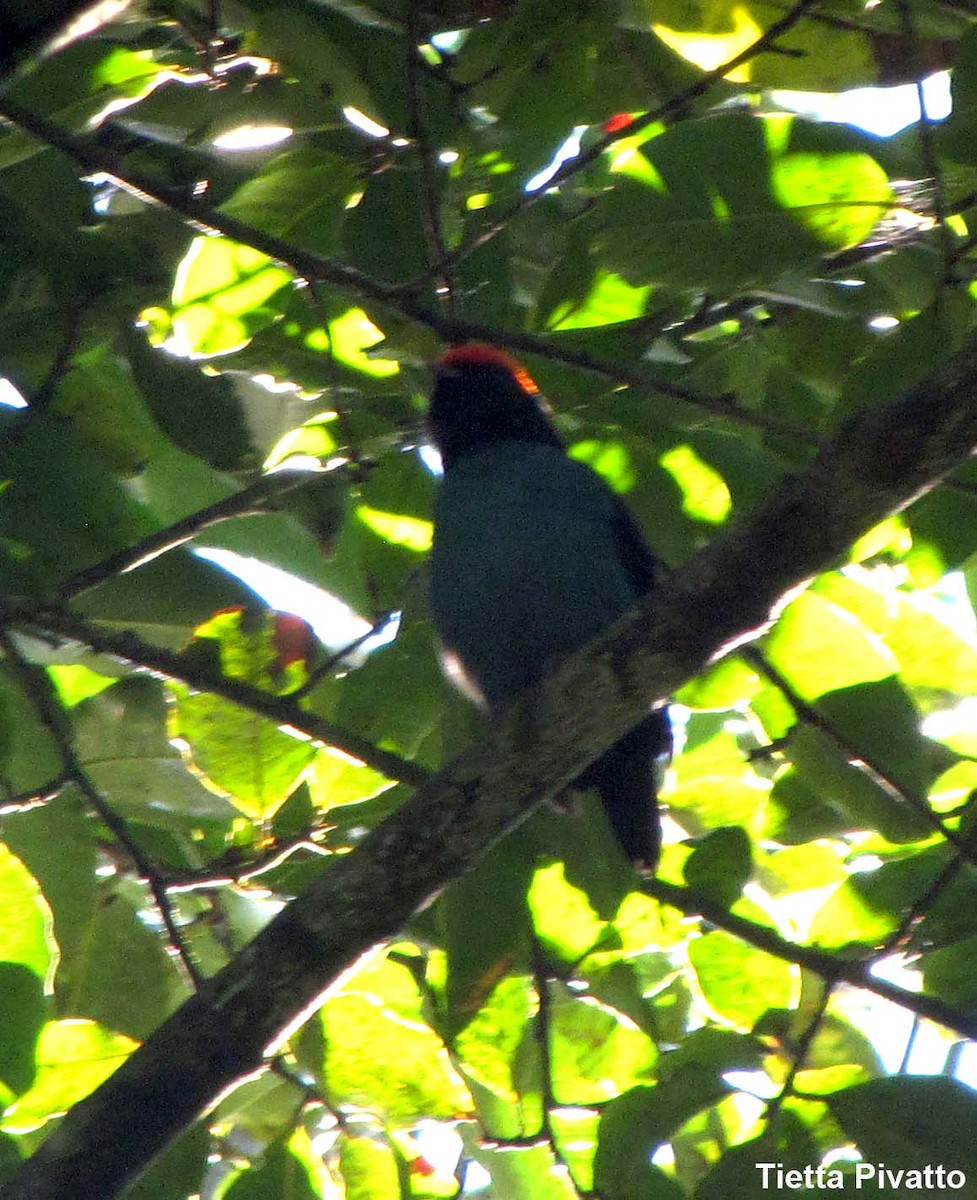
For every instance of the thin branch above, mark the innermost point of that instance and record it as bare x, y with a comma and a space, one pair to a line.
34, 686
832, 968
756, 658
25, 801
418, 131
910, 1044
232, 867
255, 498
922, 904
799, 1055
74, 323
333, 661
542, 1031
284, 710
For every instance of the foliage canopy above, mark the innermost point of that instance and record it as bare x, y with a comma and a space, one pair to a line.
234, 236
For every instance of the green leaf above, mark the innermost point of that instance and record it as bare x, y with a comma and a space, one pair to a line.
38, 837
221, 296
866, 802
725, 203
739, 982
177, 1171
369, 1169
60, 510
25, 937
490, 1051
819, 647
120, 973
484, 929
931, 647
165, 599
379, 1055
909, 1122
122, 740
384, 234
280, 1173
635, 1124
199, 413
720, 865
300, 195
593, 1050
22, 1015
73, 1058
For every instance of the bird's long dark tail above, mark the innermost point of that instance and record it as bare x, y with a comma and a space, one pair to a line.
627, 779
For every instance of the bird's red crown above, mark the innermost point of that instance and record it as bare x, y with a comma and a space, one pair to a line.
481, 354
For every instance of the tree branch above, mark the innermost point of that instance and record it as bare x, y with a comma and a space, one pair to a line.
876, 465
256, 497
832, 968
284, 710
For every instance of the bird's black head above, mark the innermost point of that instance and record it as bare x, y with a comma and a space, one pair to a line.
483, 396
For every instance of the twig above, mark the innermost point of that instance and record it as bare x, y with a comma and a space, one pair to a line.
30, 679
334, 660
541, 1031
417, 130
832, 968
284, 710
62, 360
800, 1053
812, 716
253, 498
25, 801
910, 1044
583, 160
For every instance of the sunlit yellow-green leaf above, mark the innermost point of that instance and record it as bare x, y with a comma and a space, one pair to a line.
562, 914
218, 296
717, 42
335, 779
705, 496
382, 1060
314, 439
369, 1169
351, 336
488, 1046
820, 647
609, 299
76, 682
738, 982
238, 753
611, 460
726, 683
73, 1057
410, 532
891, 534
845, 919
839, 198
933, 646
26, 935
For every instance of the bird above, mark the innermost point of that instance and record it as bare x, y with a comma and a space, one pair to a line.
533, 555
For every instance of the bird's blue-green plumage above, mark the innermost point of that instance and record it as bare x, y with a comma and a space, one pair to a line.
533, 556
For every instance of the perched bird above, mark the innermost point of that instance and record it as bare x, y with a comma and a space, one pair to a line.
533, 556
